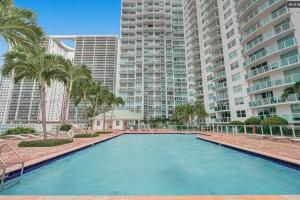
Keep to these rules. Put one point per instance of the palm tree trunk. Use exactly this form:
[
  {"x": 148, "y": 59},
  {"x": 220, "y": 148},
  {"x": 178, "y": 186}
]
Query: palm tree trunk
[
  {"x": 64, "y": 113},
  {"x": 94, "y": 114},
  {"x": 86, "y": 114},
  {"x": 112, "y": 111},
  {"x": 43, "y": 110},
  {"x": 103, "y": 119}
]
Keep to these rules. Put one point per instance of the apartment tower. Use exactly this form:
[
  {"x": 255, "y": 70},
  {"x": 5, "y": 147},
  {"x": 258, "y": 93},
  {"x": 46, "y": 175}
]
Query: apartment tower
[
  {"x": 270, "y": 33},
  {"x": 20, "y": 102},
  {"x": 99, "y": 53},
  {"x": 152, "y": 73},
  {"x": 194, "y": 71}
]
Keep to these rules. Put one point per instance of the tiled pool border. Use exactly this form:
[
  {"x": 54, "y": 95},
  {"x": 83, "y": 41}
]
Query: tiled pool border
[
  {"x": 15, "y": 173},
  {"x": 274, "y": 159}
]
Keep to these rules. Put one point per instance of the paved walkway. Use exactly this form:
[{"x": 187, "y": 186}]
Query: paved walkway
[
  {"x": 281, "y": 150},
  {"x": 154, "y": 198},
  {"x": 36, "y": 154}
]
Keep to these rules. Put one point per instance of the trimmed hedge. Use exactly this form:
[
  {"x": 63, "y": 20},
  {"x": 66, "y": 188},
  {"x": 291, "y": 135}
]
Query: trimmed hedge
[
  {"x": 65, "y": 127},
  {"x": 274, "y": 121},
  {"x": 86, "y": 135},
  {"x": 101, "y": 132},
  {"x": 236, "y": 123},
  {"x": 252, "y": 121},
  {"x": 19, "y": 130},
  {"x": 44, "y": 143}
]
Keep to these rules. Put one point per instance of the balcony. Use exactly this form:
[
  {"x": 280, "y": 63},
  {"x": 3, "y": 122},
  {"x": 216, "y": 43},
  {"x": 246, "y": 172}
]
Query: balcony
[
  {"x": 219, "y": 76},
  {"x": 285, "y": 81},
  {"x": 222, "y": 108},
  {"x": 258, "y": 11},
  {"x": 291, "y": 118},
  {"x": 218, "y": 65},
  {"x": 223, "y": 119},
  {"x": 277, "y": 32},
  {"x": 221, "y": 97},
  {"x": 220, "y": 86},
  {"x": 264, "y": 22},
  {"x": 269, "y": 51},
  {"x": 274, "y": 101},
  {"x": 284, "y": 63}
]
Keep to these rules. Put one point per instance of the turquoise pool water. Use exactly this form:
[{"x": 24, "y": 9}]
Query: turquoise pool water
[{"x": 159, "y": 165}]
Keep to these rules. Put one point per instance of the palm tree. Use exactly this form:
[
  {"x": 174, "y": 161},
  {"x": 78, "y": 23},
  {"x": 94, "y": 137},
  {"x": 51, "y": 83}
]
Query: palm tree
[
  {"x": 105, "y": 99},
  {"x": 295, "y": 89},
  {"x": 18, "y": 26},
  {"x": 95, "y": 100},
  {"x": 74, "y": 73},
  {"x": 81, "y": 89},
  {"x": 38, "y": 65},
  {"x": 116, "y": 102},
  {"x": 199, "y": 110},
  {"x": 187, "y": 112}
]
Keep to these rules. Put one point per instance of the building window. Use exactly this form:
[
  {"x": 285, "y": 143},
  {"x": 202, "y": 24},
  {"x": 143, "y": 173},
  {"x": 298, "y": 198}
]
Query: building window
[
  {"x": 237, "y": 88},
  {"x": 241, "y": 113},
  {"x": 98, "y": 123},
  {"x": 232, "y": 54},
  {"x": 231, "y": 44},
  {"x": 117, "y": 123},
  {"x": 234, "y": 65},
  {"x": 230, "y": 33},
  {"x": 236, "y": 77},
  {"x": 239, "y": 101}
]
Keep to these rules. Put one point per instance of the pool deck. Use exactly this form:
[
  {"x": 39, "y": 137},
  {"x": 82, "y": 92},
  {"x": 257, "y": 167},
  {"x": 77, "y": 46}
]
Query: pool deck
[
  {"x": 284, "y": 151},
  {"x": 35, "y": 155},
  {"x": 150, "y": 197},
  {"x": 280, "y": 150}
]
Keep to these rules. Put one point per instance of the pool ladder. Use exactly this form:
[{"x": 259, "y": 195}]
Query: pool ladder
[{"x": 4, "y": 184}]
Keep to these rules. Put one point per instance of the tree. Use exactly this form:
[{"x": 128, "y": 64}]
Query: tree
[
  {"x": 105, "y": 100},
  {"x": 199, "y": 110},
  {"x": 183, "y": 113},
  {"x": 38, "y": 65},
  {"x": 95, "y": 100},
  {"x": 18, "y": 26},
  {"x": 252, "y": 121},
  {"x": 81, "y": 89},
  {"x": 275, "y": 120},
  {"x": 187, "y": 112},
  {"x": 116, "y": 102},
  {"x": 295, "y": 89},
  {"x": 74, "y": 73}
]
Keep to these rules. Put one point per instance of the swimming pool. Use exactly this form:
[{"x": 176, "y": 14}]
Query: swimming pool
[{"x": 159, "y": 165}]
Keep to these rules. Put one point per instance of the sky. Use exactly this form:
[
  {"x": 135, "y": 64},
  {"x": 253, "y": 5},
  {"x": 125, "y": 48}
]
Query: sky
[{"x": 60, "y": 17}]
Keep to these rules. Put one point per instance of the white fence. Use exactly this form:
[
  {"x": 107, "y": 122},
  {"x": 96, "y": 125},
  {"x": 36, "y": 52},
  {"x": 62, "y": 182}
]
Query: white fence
[{"x": 288, "y": 131}]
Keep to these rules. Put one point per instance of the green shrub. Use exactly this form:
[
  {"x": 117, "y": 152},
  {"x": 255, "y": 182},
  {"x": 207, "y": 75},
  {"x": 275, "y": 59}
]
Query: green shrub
[
  {"x": 252, "y": 121},
  {"x": 274, "y": 121},
  {"x": 44, "y": 143},
  {"x": 237, "y": 123},
  {"x": 106, "y": 132},
  {"x": 19, "y": 130},
  {"x": 86, "y": 135},
  {"x": 65, "y": 127}
]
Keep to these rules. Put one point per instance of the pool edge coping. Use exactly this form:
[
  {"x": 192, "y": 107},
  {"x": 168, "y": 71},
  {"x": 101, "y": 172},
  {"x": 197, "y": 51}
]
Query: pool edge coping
[
  {"x": 36, "y": 163},
  {"x": 289, "y": 162}
]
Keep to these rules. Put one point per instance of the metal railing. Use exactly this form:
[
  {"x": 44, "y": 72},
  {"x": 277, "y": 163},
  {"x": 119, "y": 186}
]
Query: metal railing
[
  {"x": 5, "y": 165},
  {"x": 288, "y": 131}
]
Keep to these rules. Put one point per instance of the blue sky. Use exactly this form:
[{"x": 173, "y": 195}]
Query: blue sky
[{"x": 90, "y": 17}]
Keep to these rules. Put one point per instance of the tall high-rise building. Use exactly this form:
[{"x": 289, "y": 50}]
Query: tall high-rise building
[
  {"x": 21, "y": 102},
  {"x": 249, "y": 55},
  {"x": 270, "y": 35},
  {"x": 152, "y": 72},
  {"x": 194, "y": 71}
]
